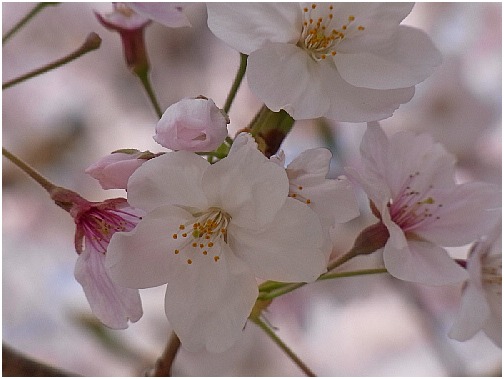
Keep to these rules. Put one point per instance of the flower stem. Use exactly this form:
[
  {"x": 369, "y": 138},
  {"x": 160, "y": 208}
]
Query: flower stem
[
  {"x": 237, "y": 81},
  {"x": 144, "y": 79},
  {"x": 46, "y": 184},
  {"x": 270, "y": 290},
  {"x": 165, "y": 362},
  {"x": 25, "y": 20},
  {"x": 283, "y": 346},
  {"x": 91, "y": 43}
]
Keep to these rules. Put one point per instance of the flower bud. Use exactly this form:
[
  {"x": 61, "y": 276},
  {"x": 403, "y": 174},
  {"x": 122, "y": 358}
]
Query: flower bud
[
  {"x": 193, "y": 125},
  {"x": 114, "y": 170}
]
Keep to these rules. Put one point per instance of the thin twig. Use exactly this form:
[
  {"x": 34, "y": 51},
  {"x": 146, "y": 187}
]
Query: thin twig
[
  {"x": 283, "y": 346},
  {"x": 91, "y": 43},
  {"x": 25, "y": 20}
]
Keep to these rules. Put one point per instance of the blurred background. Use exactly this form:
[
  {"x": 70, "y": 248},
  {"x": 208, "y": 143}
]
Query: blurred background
[{"x": 63, "y": 121}]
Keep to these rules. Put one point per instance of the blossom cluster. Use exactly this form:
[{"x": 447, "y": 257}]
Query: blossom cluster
[{"x": 211, "y": 215}]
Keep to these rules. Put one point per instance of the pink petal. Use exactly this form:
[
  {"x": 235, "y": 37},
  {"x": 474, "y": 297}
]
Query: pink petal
[{"x": 112, "y": 304}]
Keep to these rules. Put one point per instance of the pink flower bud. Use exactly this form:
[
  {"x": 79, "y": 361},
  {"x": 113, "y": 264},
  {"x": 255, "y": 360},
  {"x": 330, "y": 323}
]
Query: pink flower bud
[
  {"x": 114, "y": 170},
  {"x": 192, "y": 125}
]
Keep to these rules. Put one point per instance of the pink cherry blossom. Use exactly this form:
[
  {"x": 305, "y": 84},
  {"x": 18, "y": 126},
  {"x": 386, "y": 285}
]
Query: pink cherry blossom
[
  {"x": 410, "y": 182},
  {"x": 192, "y": 125},
  {"x": 96, "y": 223},
  {"x": 114, "y": 170}
]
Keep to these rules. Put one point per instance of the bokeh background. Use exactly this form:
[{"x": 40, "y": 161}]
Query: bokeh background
[{"x": 65, "y": 120}]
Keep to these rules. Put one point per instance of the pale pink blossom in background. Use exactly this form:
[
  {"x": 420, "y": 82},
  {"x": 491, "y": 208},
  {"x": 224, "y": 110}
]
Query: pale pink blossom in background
[
  {"x": 96, "y": 223},
  {"x": 345, "y": 61},
  {"x": 114, "y": 170},
  {"x": 195, "y": 125},
  {"x": 410, "y": 182},
  {"x": 209, "y": 232},
  {"x": 481, "y": 304},
  {"x": 167, "y": 14}
]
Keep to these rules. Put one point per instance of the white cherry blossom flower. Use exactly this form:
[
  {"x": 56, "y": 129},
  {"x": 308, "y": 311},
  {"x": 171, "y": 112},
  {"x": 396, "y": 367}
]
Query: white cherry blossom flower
[
  {"x": 192, "y": 125},
  {"x": 345, "y": 61},
  {"x": 481, "y": 305},
  {"x": 210, "y": 230},
  {"x": 410, "y": 182}
]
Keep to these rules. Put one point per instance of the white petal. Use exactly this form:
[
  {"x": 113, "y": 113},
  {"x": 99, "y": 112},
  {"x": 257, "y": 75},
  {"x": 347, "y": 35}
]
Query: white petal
[
  {"x": 144, "y": 257},
  {"x": 410, "y": 153},
  {"x": 473, "y": 314},
  {"x": 285, "y": 77},
  {"x": 374, "y": 150},
  {"x": 288, "y": 250},
  {"x": 411, "y": 61},
  {"x": 333, "y": 201},
  {"x": 247, "y": 27},
  {"x": 311, "y": 163},
  {"x": 172, "y": 178},
  {"x": 167, "y": 14},
  {"x": 246, "y": 185},
  {"x": 467, "y": 212},
  {"x": 112, "y": 304},
  {"x": 356, "y": 104},
  {"x": 380, "y": 20},
  {"x": 418, "y": 261},
  {"x": 208, "y": 302}
]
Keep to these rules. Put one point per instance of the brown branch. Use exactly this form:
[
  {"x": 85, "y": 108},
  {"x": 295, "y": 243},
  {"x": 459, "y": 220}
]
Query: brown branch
[
  {"x": 17, "y": 364},
  {"x": 165, "y": 362}
]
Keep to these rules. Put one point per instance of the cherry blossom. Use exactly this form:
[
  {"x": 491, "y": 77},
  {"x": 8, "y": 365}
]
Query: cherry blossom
[
  {"x": 130, "y": 20},
  {"x": 114, "y": 170},
  {"x": 192, "y": 125},
  {"x": 96, "y": 222},
  {"x": 345, "y": 61},
  {"x": 481, "y": 306},
  {"x": 410, "y": 182},
  {"x": 332, "y": 199},
  {"x": 209, "y": 232}
]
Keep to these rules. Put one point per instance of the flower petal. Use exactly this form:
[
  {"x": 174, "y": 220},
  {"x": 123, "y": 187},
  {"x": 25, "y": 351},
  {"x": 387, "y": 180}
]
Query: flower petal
[
  {"x": 285, "y": 77},
  {"x": 357, "y": 104},
  {"x": 418, "y": 261},
  {"x": 246, "y": 185},
  {"x": 172, "y": 178},
  {"x": 467, "y": 212},
  {"x": 411, "y": 61},
  {"x": 143, "y": 257},
  {"x": 208, "y": 303},
  {"x": 167, "y": 14},
  {"x": 380, "y": 21},
  {"x": 247, "y": 27},
  {"x": 474, "y": 312},
  {"x": 288, "y": 250},
  {"x": 332, "y": 200},
  {"x": 112, "y": 304}
]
